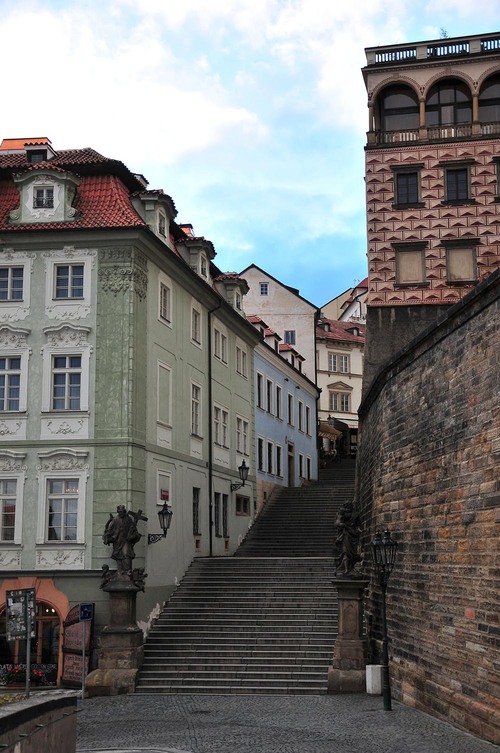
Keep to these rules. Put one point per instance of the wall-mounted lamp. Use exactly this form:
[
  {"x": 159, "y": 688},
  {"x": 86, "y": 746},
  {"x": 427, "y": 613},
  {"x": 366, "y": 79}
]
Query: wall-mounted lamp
[
  {"x": 243, "y": 471},
  {"x": 165, "y": 518}
]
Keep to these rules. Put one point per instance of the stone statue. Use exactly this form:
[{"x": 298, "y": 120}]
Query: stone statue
[
  {"x": 348, "y": 525},
  {"x": 121, "y": 531}
]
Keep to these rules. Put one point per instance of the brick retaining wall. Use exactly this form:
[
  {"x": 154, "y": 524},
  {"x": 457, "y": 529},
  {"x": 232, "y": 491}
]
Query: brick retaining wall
[{"x": 429, "y": 469}]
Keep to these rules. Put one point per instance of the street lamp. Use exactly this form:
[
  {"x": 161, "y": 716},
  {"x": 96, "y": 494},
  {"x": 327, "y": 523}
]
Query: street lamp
[
  {"x": 165, "y": 518},
  {"x": 243, "y": 471},
  {"x": 384, "y": 554}
]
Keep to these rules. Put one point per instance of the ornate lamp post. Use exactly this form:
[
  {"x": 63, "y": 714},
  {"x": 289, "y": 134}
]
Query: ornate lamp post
[
  {"x": 384, "y": 555},
  {"x": 243, "y": 471},
  {"x": 165, "y": 518}
]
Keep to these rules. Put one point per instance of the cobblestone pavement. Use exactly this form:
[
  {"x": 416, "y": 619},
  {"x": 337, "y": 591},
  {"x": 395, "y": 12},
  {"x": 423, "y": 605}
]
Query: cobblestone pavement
[{"x": 264, "y": 724}]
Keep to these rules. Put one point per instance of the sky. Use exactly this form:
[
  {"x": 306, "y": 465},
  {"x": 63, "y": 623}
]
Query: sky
[{"x": 250, "y": 114}]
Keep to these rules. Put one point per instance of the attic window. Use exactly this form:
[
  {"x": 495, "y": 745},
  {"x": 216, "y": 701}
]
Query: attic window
[
  {"x": 162, "y": 224},
  {"x": 43, "y": 197},
  {"x": 37, "y": 155}
]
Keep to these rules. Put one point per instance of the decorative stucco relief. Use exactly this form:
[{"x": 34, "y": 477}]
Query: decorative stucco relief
[
  {"x": 68, "y": 559},
  {"x": 11, "y": 462},
  {"x": 71, "y": 311},
  {"x": 70, "y": 253},
  {"x": 118, "y": 279},
  {"x": 10, "y": 559},
  {"x": 63, "y": 336},
  {"x": 62, "y": 460},
  {"x": 13, "y": 428},
  {"x": 13, "y": 338}
]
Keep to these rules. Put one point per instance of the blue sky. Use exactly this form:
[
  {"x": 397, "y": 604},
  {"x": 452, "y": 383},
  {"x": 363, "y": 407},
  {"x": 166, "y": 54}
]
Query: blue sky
[{"x": 251, "y": 114}]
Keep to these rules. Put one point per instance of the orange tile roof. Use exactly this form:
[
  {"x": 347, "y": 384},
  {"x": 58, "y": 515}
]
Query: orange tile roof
[
  {"x": 21, "y": 143},
  {"x": 340, "y": 331}
]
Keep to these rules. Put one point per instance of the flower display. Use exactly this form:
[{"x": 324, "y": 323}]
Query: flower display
[{"x": 15, "y": 674}]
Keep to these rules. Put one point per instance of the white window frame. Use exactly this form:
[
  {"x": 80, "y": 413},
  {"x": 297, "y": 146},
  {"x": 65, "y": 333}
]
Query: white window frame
[
  {"x": 16, "y": 461},
  {"x": 68, "y": 370},
  {"x": 163, "y": 481},
  {"x": 165, "y": 309},
  {"x": 308, "y": 420},
  {"x": 70, "y": 306},
  {"x": 260, "y": 455},
  {"x": 162, "y": 224},
  {"x": 163, "y": 367},
  {"x": 336, "y": 401},
  {"x": 61, "y": 335},
  {"x": 11, "y": 308},
  {"x": 242, "y": 427},
  {"x": 196, "y": 326},
  {"x": 269, "y": 396},
  {"x": 290, "y": 336},
  {"x": 48, "y": 196},
  {"x": 269, "y": 457},
  {"x": 279, "y": 401},
  {"x": 196, "y": 410},
  {"x": 301, "y": 416},
  {"x": 71, "y": 267},
  {"x": 74, "y": 470},
  {"x": 10, "y": 289},
  {"x": 241, "y": 361},
  {"x": 279, "y": 461},
  {"x": 259, "y": 388},
  {"x": 290, "y": 409},
  {"x": 220, "y": 344},
  {"x": 264, "y": 288}
]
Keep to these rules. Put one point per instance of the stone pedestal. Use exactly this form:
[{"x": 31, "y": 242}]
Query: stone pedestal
[
  {"x": 121, "y": 653},
  {"x": 347, "y": 673}
]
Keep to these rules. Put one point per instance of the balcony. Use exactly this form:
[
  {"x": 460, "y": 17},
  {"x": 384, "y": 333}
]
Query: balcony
[
  {"x": 436, "y": 133},
  {"x": 435, "y": 50}
]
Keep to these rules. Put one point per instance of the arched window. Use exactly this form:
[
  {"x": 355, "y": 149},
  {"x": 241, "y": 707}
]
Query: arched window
[
  {"x": 449, "y": 103},
  {"x": 398, "y": 109},
  {"x": 489, "y": 101}
]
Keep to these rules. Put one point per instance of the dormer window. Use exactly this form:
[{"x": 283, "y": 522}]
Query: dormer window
[
  {"x": 203, "y": 266},
  {"x": 237, "y": 300},
  {"x": 43, "y": 197},
  {"x": 36, "y": 155},
  {"x": 162, "y": 224}
]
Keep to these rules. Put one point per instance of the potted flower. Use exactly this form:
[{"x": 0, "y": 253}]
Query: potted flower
[{"x": 15, "y": 674}]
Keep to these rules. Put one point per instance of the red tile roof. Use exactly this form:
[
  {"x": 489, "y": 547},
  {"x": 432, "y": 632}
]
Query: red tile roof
[
  {"x": 340, "y": 331},
  {"x": 21, "y": 143},
  {"x": 102, "y": 202}
]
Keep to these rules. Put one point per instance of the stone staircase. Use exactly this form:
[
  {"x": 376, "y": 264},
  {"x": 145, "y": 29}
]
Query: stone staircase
[{"x": 264, "y": 620}]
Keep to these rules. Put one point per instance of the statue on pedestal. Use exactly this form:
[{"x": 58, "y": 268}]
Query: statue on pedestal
[
  {"x": 349, "y": 529},
  {"x": 121, "y": 532}
]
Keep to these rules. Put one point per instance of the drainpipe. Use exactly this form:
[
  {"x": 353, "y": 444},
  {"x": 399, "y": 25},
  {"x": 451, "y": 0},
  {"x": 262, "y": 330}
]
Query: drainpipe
[{"x": 210, "y": 434}]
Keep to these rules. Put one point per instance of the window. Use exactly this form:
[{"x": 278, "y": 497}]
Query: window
[
  {"x": 410, "y": 264},
  {"x": 196, "y": 511},
  {"x": 290, "y": 336},
  {"x": 162, "y": 224},
  {"x": 301, "y": 415},
  {"x": 62, "y": 509},
  {"x": 279, "y": 402},
  {"x": 8, "y": 494},
  {"x": 237, "y": 301},
  {"x": 225, "y": 510},
  {"x": 260, "y": 454},
  {"x": 308, "y": 469},
  {"x": 260, "y": 388},
  {"x": 11, "y": 283},
  {"x": 290, "y": 409},
  {"x": 269, "y": 457},
  {"x": 308, "y": 420},
  {"x": 68, "y": 281},
  {"x": 10, "y": 383},
  {"x": 449, "y": 103},
  {"x": 407, "y": 185},
  {"x": 195, "y": 410},
  {"x": 241, "y": 361},
  {"x": 43, "y": 197},
  {"x": 221, "y": 427},
  {"x": 269, "y": 396},
  {"x": 264, "y": 288},
  {"x": 339, "y": 402},
  {"x": 165, "y": 303},
  {"x": 279, "y": 460},
  {"x": 242, "y": 505},
  {"x": 241, "y": 436},
  {"x": 220, "y": 345},
  {"x": 164, "y": 398},
  {"x": 217, "y": 514},
  {"x": 66, "y": 382},
  {"x": 457, "y": 184},
  {"x": 338, "y": 362},
  {"x": 399, "y": 109},
  {"x": 461, "y": 263},
  {"x": 196, "y": 326},
  {"x": 203, "y": 266},
  {"x": 301, "y": 465}
]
